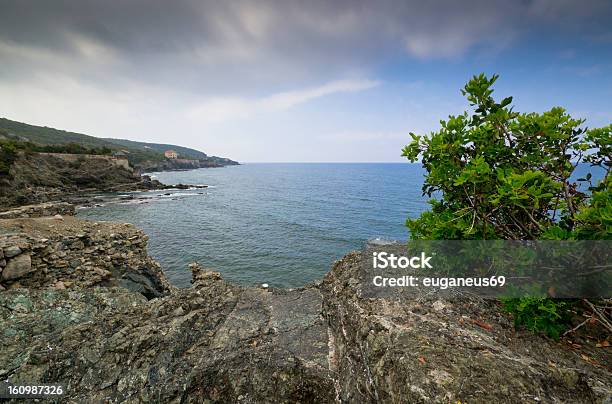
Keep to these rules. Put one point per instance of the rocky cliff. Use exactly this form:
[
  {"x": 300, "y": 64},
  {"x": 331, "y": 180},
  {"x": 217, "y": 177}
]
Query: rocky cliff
[
  {"x": 184, "y": 164},
  {"x": 36, "y": 178},
  {"x": 219, "y": 342},
  {"x": 64, "y": 252}
]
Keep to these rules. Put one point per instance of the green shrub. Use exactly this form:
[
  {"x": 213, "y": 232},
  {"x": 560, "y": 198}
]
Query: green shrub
[
  {"x": 500, "y": 174},
  {"x": 540, "y": 314},
  {"x": 10, "y": 147},
  {"x": 8, "y": 153}
]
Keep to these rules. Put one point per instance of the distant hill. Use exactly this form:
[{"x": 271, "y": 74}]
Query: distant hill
[
  {"x": 139, "y": 153},
  {"x": 47, "y": 136},
  {"x": 184, "y": 152}
]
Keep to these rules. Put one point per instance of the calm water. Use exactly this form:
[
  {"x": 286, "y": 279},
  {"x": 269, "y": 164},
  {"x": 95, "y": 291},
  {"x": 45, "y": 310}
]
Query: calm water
[{"x": 282, "y": 224}]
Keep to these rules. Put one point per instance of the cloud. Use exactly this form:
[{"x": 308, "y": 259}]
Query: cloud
[
  {"x": 223, "y": 75},
  {"x": 376, "y": 136},
  {"x": 222, "y": 109},
  {"x": 218, "y": 46}
]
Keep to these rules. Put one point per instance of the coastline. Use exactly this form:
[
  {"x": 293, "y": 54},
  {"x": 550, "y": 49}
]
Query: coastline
[
  {"x": 76, "y": 312},
  {"x": 39, "y": 178}
]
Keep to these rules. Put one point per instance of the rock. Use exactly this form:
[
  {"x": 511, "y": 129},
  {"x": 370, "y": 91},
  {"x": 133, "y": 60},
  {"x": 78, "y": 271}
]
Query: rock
[
  {"x": 127, "y": 336},
  {"x": 209, "y": 343},
  {"x": 39, "y": 210},
  {"x": 53, "y": 178},
  {"x": 17, "y": 267},
  {"x": 438, "y": 305},
  {"x": 416, "y": 350},
  {"x": 58, "y": 217},
  {"x": 12, "y": 251},
  {"x": 73, "y": 250}
]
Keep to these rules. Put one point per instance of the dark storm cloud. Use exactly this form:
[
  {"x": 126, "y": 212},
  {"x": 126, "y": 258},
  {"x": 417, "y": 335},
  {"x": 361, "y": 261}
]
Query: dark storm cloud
[{"x": 215, "y": 45}]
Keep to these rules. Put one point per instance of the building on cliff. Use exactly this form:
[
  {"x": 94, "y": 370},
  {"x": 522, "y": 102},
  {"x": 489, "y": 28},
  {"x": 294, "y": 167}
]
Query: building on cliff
[{"x": 170, "y": 154}]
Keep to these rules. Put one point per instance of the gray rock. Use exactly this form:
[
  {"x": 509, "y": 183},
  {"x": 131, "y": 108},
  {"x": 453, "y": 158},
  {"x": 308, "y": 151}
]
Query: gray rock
[
  {"x": 65, "y": 257},
  {"x": 94, "y": 330},
  {"x": 75, "y": 263},
  {"x": 213, "y": 342},
  {"x": 392, "y": 350},
  {"x": 12, "y": 251},
  {"x": 39, "y": 210},
  {"x": 17, "y": 267}
]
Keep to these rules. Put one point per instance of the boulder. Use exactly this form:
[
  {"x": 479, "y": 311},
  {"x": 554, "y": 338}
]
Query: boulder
[
  {"x": 11, "y": 251},
  {"x": 17, "y": 267}
]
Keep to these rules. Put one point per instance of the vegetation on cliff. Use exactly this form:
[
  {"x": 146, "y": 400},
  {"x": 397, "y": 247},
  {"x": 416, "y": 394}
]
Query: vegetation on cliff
[
  {"x": 9, "y": 149},
  {"x": 138, "y": 153},
  {"x": 500, "y": 174}
]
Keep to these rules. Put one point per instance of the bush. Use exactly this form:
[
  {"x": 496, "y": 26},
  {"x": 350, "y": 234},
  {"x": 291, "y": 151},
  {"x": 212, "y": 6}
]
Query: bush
[
  {"x": 540, "y": 314},
  {"x": 500, "y": 174},
  {"x": 9, "y": 149},
  {"x": 8, "y": 153}
]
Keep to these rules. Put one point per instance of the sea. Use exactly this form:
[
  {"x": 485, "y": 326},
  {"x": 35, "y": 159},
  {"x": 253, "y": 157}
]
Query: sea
[{"x": 283, "y": 224}]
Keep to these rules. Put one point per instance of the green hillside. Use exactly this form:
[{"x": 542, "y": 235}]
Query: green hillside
[
  {"x": 184, "y": 152},
  {"x": 137, "y": 152},
  {"x": 48, "y": 136}
]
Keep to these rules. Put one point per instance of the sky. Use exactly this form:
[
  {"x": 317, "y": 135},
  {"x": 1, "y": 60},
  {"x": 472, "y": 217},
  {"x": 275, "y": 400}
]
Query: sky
[{"x": 294, "y": 81}]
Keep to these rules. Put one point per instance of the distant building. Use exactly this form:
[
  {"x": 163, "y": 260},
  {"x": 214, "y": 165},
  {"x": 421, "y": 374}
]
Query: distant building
[{"x": 170, "y": 154}]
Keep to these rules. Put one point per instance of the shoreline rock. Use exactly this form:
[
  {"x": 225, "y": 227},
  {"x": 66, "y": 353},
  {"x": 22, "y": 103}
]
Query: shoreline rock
[
  {"x": 39, "y": 210},
  {"x": 36, "y": 178},
  {"x": 77, "y": 320},
  {"x": 432, "y": 349},
  {"x": 79, "y": 254}
]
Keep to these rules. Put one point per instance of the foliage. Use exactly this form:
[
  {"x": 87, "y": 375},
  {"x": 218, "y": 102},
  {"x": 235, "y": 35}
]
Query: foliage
[
  {"x": 10, "y": 148},
  {"x": 496, "y": 173},
  {"x": 8, "y": 153},
  {"x": 540, "y": 314},
  {"x": 137, "y": 152},
  {"x": 184, "y": 152},
  {"x": 72, "y": 148}
]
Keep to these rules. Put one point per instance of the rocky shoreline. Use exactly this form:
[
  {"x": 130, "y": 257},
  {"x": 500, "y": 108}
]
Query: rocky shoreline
[
  {"x": 83, "y": 304},
  {"x": 132, "y": 197},
  {"x": 37, "y": 178}
]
